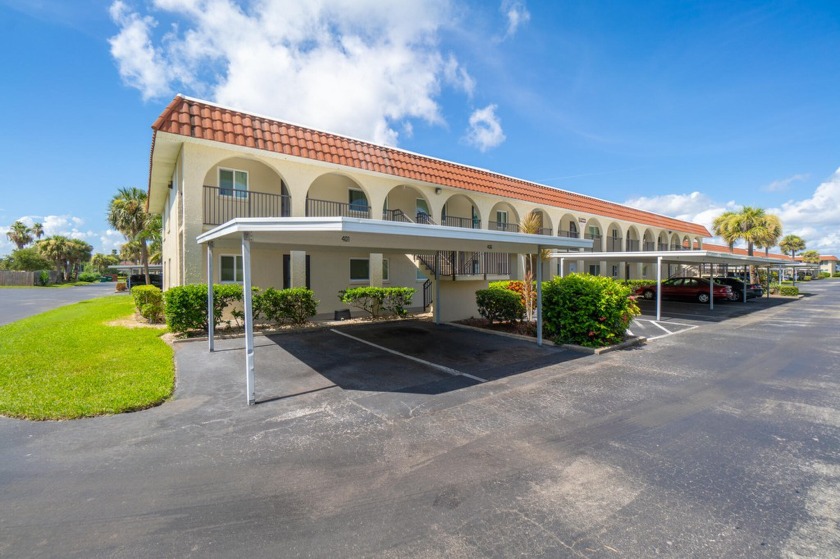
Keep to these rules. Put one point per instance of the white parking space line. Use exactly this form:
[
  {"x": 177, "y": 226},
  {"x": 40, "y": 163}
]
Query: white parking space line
[
  {"x": 447, "y": 370},
  {"x": 661, "y": 327},
  {"x": 668, "y": 332}
]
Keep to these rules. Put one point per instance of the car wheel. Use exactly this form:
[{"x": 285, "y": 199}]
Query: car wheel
[
  {"x": 734, "y": 296},
  {"x": 703, "y": 297},
  {"x": 649, "y": 295}
]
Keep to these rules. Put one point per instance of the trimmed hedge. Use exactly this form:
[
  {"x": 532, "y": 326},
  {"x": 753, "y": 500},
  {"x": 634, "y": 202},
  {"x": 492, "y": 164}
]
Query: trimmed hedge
[
  {"x": 89, "y": 277},
  {"x": 789, "y": 291},
  {"x": 378, "y": 300},
  {"x": 500, "y": 304},
  {"x": 296, "y": 305},
  {"x": 186, "y": 305},
  {"x": 591, "y": 311},
  {"x": 149, "y": 302}
]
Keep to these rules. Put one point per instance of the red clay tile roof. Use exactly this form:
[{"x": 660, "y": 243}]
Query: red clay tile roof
[
  {"x": 823, "y": 258},
  {"x": 199, "y": 119},
  {"x": 743, "y": 252}
]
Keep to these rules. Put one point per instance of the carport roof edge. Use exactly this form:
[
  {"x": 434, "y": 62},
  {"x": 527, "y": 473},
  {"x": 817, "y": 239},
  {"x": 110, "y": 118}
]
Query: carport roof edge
[
  {"x": 391, "y": 235},
  {"x": 678, "y": 256}
]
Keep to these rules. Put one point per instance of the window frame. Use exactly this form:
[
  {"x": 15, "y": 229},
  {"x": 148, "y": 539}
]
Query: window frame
[
  {"x": 386, "y": 270},
  {"x": 233, "y": 192},
  {"x": 237, "y": 259}
]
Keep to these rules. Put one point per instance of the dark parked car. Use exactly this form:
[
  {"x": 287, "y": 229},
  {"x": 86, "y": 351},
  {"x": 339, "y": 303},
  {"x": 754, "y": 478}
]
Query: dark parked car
[
  {"x": 737, "y": 286},
  {"x": 755, "y": 287},
  {"x": 686, "y": 288},
  {"x": 140, "y": 279}
]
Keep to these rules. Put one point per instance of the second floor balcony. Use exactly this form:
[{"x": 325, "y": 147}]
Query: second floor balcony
[{"x": 223, "y": 204}]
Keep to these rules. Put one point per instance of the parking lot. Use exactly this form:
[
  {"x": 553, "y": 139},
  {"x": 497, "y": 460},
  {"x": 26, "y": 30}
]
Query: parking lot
[{"x": 719, "y": 442}]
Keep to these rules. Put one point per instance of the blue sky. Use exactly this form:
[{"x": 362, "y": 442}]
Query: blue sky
[{"x": 681, "y": 108}]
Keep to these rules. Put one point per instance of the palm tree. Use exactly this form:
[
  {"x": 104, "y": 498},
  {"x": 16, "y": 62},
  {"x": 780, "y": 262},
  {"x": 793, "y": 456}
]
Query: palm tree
[
  {"x": 791, "y": 244},
  {"x": 19, "y": 234},
  {"x": 726, "y": 228},
  {"x": 103, "y": 261},
  {"x": 78, "y": 251},
  {"x": 38, "y": 230},
  {"x": 531, "y": 224},
  {"x": 127, "y": 214},
  {"x": 772, "y": 232},
  {"x": 55, "y": 249}
]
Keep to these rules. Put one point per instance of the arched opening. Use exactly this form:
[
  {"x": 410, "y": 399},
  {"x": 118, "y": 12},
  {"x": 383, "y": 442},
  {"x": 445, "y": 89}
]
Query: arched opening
[
  {"x": 686, "y": 243},
  {"x": 568, "y": 227},
  {"x": 648, "y": 243},
  {"x": 662, "y": 242},
  {"x": 460, "y": 211},
  {"x": 675, "y": 242},
  {"x": 334, "y": 195},
  {"x": 614, "y": 238},
  {"x": 594, "y": 232},
  {"x": 406, "y": 203},
  {"x": 241, "y": 187},
  {"x": 633, "y": 241},
  {"x": 545, "y": 225},
  {"x": 503, "y": 217}
]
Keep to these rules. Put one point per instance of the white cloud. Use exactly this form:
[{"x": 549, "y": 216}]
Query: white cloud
[
  {"x": 816, "y": 219},
  {"x": 783, "y": 184},
  {"x": 355, "y": 67},
  {"x": 485, "y": 129},
  {"x": 517, "y": 14}
]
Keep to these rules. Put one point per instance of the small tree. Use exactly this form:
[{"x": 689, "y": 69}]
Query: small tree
[
  {"x": 19, "y": 234},
  {"x": 791, "y": 244}
]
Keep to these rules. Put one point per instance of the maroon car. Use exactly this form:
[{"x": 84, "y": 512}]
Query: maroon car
[{"x": 686, "y": 288}]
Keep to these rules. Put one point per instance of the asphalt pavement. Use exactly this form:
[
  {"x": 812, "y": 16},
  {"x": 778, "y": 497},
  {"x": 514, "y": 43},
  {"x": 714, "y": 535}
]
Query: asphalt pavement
[
  {"x": 719, "y": 441},
  {"x": 18, "y": 303}
]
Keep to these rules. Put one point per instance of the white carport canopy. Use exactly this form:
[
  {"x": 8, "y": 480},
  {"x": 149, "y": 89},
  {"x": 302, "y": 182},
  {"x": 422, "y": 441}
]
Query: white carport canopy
[
  {"x": 675, "y": 257},
  {"x": 374, "y": 235}
]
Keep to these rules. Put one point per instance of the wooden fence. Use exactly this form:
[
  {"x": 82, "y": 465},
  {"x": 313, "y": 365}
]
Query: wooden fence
[{"x": 25, "y": 278}]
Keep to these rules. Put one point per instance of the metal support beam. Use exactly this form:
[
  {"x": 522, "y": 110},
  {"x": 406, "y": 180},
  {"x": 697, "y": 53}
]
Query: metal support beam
[
  {"x": 249, "y": 318},
  {"x": 539, "y": 298},
  {"x": 562, "y": 266},
  {"x": 437, "y": 287},
  {"x": 711, "y": 293},
  {"x": 658, "y": 288},
  {"x": 211, "y": 322}
]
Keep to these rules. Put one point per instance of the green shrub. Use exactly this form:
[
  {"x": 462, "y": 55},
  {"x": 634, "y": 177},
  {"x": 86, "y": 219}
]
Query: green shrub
[
  {"x": 836, "y": 274},
  {"x": 88, "y": 277},
  {"x": 586, "y": 310},
  {"x": 824, "y": 275},
  {"x": 499, "y": 304},
  {"x": 43, "y": 277},
  {"x": 186, "y": 305},
  {"x": 148, "y": 300},
  {"x": 634, "y": 284},
  {"x": 376, "y": 300},
  {"x": 789, "y": 291},
  {"x": 806, "y": 278},
  {"x": 295, "y": 305}
]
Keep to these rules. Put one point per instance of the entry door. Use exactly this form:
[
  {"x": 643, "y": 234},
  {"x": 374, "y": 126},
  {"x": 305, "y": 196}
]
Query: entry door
[{"x": 287, "y": 272}]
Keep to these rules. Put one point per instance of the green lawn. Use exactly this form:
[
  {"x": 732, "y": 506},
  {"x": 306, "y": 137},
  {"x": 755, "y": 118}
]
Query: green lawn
[{"x": 66, "y": 363}]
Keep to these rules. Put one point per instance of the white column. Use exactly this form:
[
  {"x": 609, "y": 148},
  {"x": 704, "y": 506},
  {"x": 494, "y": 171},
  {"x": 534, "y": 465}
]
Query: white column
[
  {"x": 249, "y": 318},
  {"x": 436, "y": 302},
  {"x": 375, "y": 269},
  {"x": 658, "y": 288},
  {"x": 562, "y": 266},
  {"x": 297, "y": 268},
  {"x": 539, "y": 299},
  {"x": 211, "y": 321}
]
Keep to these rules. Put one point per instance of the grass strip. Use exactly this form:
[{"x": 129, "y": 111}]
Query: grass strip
[{"x": 67, "y": 363}]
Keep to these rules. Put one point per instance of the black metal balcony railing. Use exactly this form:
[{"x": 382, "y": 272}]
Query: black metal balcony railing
[
  {"x": 464, "y": 222},
  {"x": 632, "y": 245},
  {"x": 544, "y": 231},
  {"x": 396, "y": 215},
  {"x": 328, "y": 208},
  {"x": 424, "y": 218},
  {"x": 596, "y": 241},
  {"x": 468, "y": 263},
  {"x": 649, "y": 246},
  {"x": 568, "y": 234},
  {"x": 614, "y": 244},
  {"x": 503, "y": 226},
  {"x": 223, "y": 204}
]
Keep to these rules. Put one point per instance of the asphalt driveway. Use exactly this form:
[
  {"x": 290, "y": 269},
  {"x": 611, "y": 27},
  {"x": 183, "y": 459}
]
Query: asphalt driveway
[
  {"x": 18, "y": 303},
  {"x": 721, "y": 442}
]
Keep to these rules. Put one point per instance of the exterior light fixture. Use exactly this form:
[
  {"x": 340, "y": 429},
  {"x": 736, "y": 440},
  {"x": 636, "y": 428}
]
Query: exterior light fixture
[
  {"x": 346, "y": 238},
  {"x": 438, "y": 190},
  {"x": 489, "y": 247}
]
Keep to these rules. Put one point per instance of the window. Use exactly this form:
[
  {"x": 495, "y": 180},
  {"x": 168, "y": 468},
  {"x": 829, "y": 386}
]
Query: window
[
  {"x": 421, "y": 276},
  {"x": 360, "y": 269},
  {"x": 501, "y": 220},
  {"x": 233, "y": 183},
  {"x": 595, "y": 269},
  {"x": 594, "y": 232},
  {"x": 614, "y": 271},
  {"x": 231, "y": 269},
  {"x": 358, "y": 200}
]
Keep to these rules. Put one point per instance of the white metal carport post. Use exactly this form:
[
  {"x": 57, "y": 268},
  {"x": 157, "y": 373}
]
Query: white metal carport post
[
  {"x": 539, "y": 297},
  {"x": 658, "y": 288},
  {"x": 711, "y": 292},
  {"x": 211, "y": 319},
  {"x": 249, "y": 317}
]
